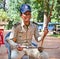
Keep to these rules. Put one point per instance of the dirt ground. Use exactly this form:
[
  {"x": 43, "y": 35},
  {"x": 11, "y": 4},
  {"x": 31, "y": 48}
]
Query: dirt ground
[
  {"x": 50, "y": 42},
  {"x": 54, "y": 44}
]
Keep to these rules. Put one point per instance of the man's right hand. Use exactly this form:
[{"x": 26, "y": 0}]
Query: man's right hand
[{"x": 19, "y": 48}]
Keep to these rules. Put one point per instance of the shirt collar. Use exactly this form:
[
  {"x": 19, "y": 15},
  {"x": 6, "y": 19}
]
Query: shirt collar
[{"x": 22, "y": 23}]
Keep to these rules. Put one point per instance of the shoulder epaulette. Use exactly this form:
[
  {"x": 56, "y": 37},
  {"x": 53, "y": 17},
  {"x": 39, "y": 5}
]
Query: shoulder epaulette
[
  {"x": 16, "y": 24},
  {"x": 35, "y": 23}
]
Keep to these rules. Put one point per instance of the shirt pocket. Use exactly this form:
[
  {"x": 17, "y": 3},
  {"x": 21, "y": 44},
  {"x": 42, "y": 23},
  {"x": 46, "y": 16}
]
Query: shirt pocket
[
  {"x": 32, "y": 32},
  {"x": 20, "y": 34}
]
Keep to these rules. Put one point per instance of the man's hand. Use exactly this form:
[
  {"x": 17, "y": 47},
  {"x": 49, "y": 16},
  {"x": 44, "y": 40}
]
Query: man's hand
[
  {"x": 40, "y": 49},
  {"x": 19, "y": 48}
]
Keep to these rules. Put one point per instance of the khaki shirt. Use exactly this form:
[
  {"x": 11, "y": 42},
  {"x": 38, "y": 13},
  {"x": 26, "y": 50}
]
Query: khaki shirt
[{"x": 24, "y": 34}]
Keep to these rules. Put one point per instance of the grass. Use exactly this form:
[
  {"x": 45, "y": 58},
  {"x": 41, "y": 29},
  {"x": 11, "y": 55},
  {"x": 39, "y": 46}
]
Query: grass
[{"x": 56, "y": 35}]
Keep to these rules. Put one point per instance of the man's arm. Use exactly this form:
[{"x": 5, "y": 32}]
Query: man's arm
[
  {"x": 43, "y": 35},
  {"x": 10, "y": 40},
  {"x": 45, "y": 28}
]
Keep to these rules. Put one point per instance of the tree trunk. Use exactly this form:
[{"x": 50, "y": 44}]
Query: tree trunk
[{"x": 45, "y": 24}]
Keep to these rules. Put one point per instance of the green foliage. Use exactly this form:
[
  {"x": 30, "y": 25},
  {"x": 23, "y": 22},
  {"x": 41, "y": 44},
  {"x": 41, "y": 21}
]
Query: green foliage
[
  {"x": 40, "y": 16},
  {"x": 3, "y": 15},
  {"x": 1, "y": 1},
  {"x": 56, "y": 35},
  {"x": 38, "y": 8},
  {"x": 13, "y": 13},
  {"x": 56, "y": 11}
]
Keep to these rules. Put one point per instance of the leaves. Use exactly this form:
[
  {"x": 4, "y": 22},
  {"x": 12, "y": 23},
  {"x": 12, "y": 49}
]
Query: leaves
[
  {"x": 38, "y": 7},
  {"x": 3, "y": 15}
]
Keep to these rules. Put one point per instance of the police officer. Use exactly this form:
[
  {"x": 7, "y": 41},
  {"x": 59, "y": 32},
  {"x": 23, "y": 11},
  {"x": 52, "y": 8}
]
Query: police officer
[{"x": 23, "y": 33}]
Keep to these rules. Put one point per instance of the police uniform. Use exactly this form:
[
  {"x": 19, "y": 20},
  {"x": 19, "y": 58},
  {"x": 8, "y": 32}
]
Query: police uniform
[{"x": 23, "y": 35}]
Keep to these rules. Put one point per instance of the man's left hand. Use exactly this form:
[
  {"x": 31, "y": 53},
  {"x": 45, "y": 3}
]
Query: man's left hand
[{"x": 40, "y": 49}]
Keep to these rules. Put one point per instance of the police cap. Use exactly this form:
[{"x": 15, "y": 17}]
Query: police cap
[{"x": 24, "y": 8}]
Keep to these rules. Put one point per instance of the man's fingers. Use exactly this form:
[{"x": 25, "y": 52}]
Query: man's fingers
[
  {"x": 20, "y": 48},
  {"x": 40, "y": 49}
]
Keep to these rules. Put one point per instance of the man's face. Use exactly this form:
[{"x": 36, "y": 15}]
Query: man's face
[{"x": 26, "y": 17}]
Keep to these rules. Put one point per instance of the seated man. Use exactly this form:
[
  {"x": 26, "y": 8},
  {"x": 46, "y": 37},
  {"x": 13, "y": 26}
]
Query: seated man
[{"x": 22, "y": 35}]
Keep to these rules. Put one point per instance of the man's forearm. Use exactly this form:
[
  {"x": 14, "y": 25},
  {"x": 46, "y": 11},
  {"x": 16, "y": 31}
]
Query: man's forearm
[
  {"x": 43, "y": 35},
  {"x": 12, "y": 43}
]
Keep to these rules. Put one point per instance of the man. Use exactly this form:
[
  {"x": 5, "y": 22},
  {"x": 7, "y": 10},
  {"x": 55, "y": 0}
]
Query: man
[{"x": 23, "y": 33}]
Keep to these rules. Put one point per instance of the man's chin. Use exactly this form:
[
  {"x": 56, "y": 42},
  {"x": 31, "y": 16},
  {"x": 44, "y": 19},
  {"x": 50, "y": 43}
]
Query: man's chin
[{"x": 27, "y": 23}]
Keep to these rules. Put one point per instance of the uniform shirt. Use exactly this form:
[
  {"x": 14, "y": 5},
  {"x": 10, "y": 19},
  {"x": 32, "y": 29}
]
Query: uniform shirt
[{"x": 24, "y": 34}]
